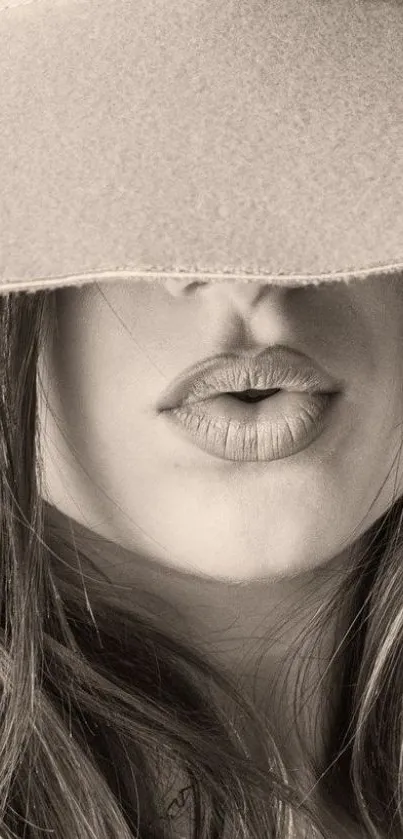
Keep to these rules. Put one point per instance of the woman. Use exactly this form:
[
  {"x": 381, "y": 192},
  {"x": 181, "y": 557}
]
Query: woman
[
  {"x": 281, "y": 575},
  {"x": 249, "y": 551},
  {"x": 201, "y": 482}
]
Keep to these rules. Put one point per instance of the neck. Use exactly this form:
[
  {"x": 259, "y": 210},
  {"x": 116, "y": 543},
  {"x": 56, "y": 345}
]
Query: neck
[{"x": 264, "y": 634}]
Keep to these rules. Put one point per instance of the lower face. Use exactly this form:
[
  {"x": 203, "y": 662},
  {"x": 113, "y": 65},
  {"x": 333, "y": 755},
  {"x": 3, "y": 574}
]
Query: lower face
[{"x": 117, "y": 465}]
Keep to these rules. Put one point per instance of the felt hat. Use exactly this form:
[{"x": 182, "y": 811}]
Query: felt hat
[{"x": 250, "y": 140}]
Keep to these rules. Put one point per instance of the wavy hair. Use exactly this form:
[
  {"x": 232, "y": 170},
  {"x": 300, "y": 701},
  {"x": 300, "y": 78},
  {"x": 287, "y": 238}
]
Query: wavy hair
[{"x": 96, "y": 691}]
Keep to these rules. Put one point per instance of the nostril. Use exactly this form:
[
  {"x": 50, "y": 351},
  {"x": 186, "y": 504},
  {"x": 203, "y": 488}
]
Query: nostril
[{"x": 181, "y": 288}]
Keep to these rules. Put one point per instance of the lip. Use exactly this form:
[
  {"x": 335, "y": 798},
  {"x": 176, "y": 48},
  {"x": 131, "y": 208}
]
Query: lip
[
  {"x": 273, "y": 367},
  {"x": 199, "y": 402}
]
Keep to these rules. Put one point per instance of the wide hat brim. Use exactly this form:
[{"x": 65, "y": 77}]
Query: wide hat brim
[{"x": 237, "y": 139}]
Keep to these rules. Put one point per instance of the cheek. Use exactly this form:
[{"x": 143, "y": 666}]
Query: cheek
[{"x": 360, "y": 476}]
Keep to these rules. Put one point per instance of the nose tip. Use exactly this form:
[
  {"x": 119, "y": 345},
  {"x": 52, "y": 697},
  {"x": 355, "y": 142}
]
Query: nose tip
[{"x": 241, "y": 291}]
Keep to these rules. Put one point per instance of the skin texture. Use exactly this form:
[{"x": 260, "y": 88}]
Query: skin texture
[
  {"x": 148, "y": 488},
  {"x": 235, "y": 546}
]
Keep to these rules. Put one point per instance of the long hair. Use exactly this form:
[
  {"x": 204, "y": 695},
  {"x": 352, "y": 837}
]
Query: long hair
[{"x": 97, "y": 693}]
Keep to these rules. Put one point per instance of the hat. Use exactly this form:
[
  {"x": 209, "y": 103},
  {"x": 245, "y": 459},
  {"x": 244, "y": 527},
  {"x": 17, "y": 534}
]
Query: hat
[{"x": 254, "y": 140}]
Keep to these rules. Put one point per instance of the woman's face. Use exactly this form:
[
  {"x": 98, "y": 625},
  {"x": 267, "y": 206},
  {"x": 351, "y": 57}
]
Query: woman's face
[{"x": 120, "y": 468}]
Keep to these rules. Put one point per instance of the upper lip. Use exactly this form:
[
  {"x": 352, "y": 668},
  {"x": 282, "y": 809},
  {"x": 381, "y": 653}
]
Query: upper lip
[{"x": 273, "y": 367}]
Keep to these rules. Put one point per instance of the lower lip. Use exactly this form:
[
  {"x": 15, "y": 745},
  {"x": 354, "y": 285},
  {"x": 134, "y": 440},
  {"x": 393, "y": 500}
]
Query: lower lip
[{"x": 275, "y": 428}]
